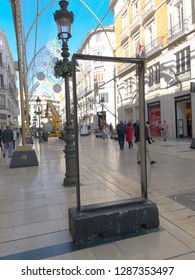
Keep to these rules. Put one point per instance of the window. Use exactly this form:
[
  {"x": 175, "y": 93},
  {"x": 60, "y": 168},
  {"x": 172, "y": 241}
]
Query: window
[
  {"x": 98, "y": 80},
  {"x": 129, "y": 86},
  {"x": 124, "y": 21},
  {"x": 1, "y": 61},
  {"x": 176, "y": 18},
  {"x": 154, "y": 74},
  {"x": 2, "y": 102},
  {"x": 1, "y": 81},
  {"x": 125, "y": 50},
  {"x": 98, "y": 37},
  {"x": 103, "y": 97},
  {"x": 183, "y": 61},
  {"x": 98, "y": 51},
  {"x": 193, "y": 11},
  {"x": 179, "y": 14},
  {"x": 150, "y": 35},
  {"x": 99, "y": 76},
  {"x": 136, "y": 10}
]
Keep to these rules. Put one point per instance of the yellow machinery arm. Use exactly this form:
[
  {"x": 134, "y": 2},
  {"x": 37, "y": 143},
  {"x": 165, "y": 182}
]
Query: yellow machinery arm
[{"x": 53, "y": 128}]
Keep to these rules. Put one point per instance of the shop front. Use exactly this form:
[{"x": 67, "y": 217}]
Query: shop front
[
  {"x": 183, "y": 118},
  {"x": 154, "y": 118}
]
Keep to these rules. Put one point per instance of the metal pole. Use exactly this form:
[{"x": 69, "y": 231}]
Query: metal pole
[
  {"x": 141, "y": 66},
  {"x": 15, "y": 12},
  {"x": 40, "y": 138},
  {"x": 69, "y": 150},
  {"x": 78, "y": 195}
]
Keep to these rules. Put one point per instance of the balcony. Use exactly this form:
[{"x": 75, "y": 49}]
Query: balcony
[
  {"x": 3, "y": 87},
  {"x": 2, "y": 65},
  {"x": 178, "y": 31},
  {"x": 123, "y": 67},
  {"x": 135, "y": 24},
  {"x": 154, "y": 46},
  {"x": 124, "y": 34},
  {"x": 148, "y": 11}
]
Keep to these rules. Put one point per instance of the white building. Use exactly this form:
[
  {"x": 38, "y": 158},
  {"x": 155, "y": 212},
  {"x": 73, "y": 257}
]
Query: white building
[
  {"x": 163, "y": 33},
  {"x": 95, "y": 80},
  {"x": 9, "y": 109}
]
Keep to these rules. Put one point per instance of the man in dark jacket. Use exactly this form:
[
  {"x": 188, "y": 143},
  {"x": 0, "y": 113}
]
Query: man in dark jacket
[
  {"x": 7, "y": 139},
  {"x": 0, "y": 139},
  {"x": 121, "y": 130},
  {"x": 137, "y": 141}
]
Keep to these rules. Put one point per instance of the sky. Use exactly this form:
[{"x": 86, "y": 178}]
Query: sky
[
  {"x": 42, "y": 52},
  {"x": 84, "y": 21},
  {"x": 40, "y": 37}
]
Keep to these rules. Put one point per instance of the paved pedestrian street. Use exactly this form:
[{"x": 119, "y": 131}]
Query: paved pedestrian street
[{"x": 34, "y": 204}]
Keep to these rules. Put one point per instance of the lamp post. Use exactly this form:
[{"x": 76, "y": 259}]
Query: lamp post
[
  {"x": 64, "y": 19},
  {"x": 38, "y": 112}
]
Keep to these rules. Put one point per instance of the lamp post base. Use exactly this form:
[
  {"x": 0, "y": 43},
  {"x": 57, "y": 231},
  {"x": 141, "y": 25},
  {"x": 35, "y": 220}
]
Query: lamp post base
[
  {"x": 69, "y": 181},
  {"x": 24, "y": 156}
]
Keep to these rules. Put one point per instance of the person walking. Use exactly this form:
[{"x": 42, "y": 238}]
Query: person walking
[
  {"x": 121, "y": 130},
  {"x": 150, "y": 139},
  {"x": 1, "y": 139},
  {"x": 14, "y": 138},
  {"x": 111, "y": 128},
  {"x": 7, "y": 139},
  {"x": 129, "y": 134},
  {"x": 164, "y": 128},
  {"x": 137, "y": 141}
]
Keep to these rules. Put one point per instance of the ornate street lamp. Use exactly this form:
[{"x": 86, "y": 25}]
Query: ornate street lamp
[
  {"x": 38, "y": 112},
  {"x": 64, "y": 20}
]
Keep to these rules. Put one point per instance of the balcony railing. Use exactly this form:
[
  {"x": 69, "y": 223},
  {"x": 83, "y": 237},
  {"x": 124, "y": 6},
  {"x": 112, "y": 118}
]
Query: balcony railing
[
  {"x": 124, "y": 67},
  {"x": 3, "y": 87},
  {"x": 124, "y": 34},
  {"x": 135, "y": 24},
  {"x": 178, "y": 30},
  {"x": 148, "y": 10},
  {"x": 154, "y": 46},
  {"x": 2, "y": 65}
]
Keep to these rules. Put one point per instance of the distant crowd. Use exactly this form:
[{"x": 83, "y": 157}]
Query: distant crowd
[
  {"x": 8, "y": 137},
  {"x": 130, "y": 131}
]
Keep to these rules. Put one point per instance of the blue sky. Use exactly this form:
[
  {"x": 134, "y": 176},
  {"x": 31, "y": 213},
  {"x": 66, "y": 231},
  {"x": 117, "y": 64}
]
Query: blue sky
[
  {"x": 83, "y": 23},
  {"x": 46, "y": 30}
]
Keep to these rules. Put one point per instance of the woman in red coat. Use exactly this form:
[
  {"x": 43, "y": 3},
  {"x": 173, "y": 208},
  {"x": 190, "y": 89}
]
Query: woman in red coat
[{"x": 129, "y": 134}]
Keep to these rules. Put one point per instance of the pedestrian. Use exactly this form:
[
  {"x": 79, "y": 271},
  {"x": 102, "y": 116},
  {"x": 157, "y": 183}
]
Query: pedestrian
[
  {"x": 18, "y": 133},
  {"x": 111, "y": 128},
  {"x": 129, "y": 134},
  {"x": 105, "y": 133},
  {"x": 137, "y": 141},
  {"x": 1, "y": 139},
  {"x": 150, "y": 139},
  {"x": 164, "y": 128},
  {"x": 7, "y": 139},
  {"x": 121, "y": 131},
  {"x": 14, "y": 138}
]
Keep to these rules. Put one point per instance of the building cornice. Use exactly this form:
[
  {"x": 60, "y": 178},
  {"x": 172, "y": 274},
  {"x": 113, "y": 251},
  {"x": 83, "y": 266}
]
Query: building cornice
[{"x": 92, "y": 33}]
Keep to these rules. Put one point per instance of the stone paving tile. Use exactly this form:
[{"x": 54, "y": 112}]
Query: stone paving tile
[
  {"x": 158, "y": 245},
  {"x": 34, "y": 204}
]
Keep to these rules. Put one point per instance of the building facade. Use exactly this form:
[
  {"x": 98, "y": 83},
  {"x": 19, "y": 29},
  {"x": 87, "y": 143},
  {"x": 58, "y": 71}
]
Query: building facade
[
  {"x": 95, "y": 80},
  {"x": 161, "y": 31},
  {"x": 9, "y": 109}
]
